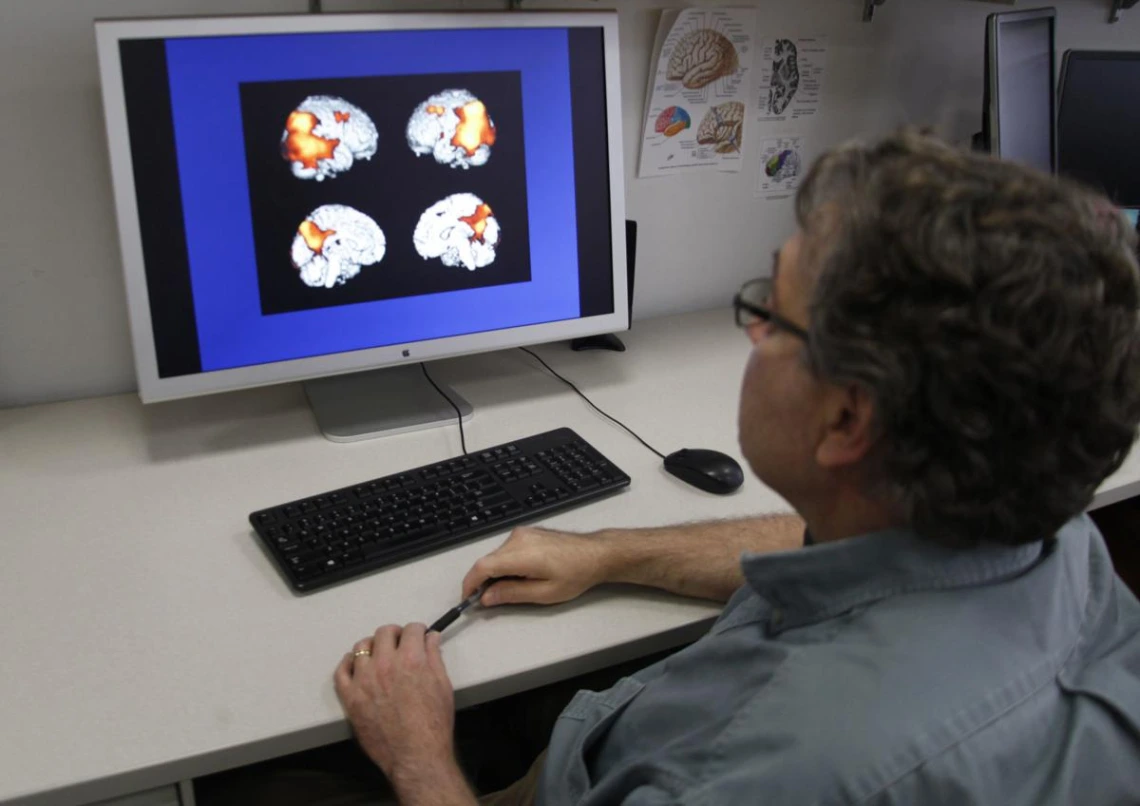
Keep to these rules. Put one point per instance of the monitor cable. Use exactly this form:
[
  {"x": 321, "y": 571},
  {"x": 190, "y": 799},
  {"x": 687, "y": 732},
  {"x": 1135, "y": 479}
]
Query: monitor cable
[
  {"x": 532, "y": 354},
  {"x": 458, "y": 414},
  {"x": 595, "y": 408}
]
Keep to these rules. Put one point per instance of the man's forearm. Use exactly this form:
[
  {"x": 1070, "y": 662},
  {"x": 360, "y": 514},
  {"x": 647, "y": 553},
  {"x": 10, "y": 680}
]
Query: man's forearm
[
  {"x": 439, "y": 783},
  {"x": 695, "y": 559}
]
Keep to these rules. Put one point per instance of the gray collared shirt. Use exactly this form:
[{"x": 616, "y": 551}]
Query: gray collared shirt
[{"x": 881, "y": 669}]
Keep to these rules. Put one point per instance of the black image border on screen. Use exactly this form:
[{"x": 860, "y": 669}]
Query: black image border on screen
[
  {"x": 393, "y": 188},
  {"x": 151, "y": 130}
]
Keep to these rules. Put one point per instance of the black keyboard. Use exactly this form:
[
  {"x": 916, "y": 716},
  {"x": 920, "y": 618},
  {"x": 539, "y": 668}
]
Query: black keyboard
[{"x": 342, "y": 534}]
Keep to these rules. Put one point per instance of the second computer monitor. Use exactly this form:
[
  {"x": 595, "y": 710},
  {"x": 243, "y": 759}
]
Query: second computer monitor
[
  {"x": 1098, "y": 123},
  {"x": 1019, "y": 86}
]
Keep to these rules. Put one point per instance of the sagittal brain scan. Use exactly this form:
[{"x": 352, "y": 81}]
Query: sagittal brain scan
[
  {"x": 454, "y": 127},
  {"x": 460, "y": 230},
  {"x": 325, "y": 135},
  {"x": 333, "y": 243},
  {"x": 785, "y": 76}
]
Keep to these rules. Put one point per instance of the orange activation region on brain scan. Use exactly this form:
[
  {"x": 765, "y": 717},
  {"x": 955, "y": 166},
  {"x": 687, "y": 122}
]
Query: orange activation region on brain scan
[
  {"x": 477, "y": 220},
  {"x": 435, "y": 109},
  {"x": 314, "y": 236},
  {"x": 341, "y": 117},
  {"x": 475, "y": 127},
  {"x": 301, "y": 145}
]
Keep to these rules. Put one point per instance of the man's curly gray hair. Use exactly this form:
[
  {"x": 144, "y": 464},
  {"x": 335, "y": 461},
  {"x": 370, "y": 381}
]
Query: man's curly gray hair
[{"x": 991, "y": 312}]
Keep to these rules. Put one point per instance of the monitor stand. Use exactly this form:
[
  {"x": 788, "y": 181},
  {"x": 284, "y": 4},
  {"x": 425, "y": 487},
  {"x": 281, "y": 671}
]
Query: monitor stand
[{"x": 380, "y": 402}]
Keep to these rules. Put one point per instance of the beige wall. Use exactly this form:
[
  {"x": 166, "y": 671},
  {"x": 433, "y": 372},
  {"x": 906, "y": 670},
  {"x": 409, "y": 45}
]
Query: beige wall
[{"x": 63, "y": 327}]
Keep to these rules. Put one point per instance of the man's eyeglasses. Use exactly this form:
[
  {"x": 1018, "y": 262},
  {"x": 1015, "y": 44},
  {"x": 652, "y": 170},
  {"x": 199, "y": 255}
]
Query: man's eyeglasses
[{"x": 751, "y": 306}]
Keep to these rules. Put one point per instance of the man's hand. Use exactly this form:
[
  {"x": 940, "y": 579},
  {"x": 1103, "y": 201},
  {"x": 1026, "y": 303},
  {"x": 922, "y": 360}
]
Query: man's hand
[
  {"x": 552, "y": 567},
  {"x": 400, "y": 703}
]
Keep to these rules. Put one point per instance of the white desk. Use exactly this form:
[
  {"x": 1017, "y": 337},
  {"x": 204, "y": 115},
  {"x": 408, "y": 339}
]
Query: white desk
[{"x": 145, "y": 638}]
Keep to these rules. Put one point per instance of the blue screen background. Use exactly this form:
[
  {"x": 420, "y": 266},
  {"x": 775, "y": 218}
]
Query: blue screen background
[{"x": 204, "y": 76}]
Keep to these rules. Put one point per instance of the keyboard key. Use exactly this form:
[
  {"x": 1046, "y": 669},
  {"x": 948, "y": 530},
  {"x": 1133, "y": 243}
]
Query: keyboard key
[
  {"x": 496, "y": 498},
  {"x": 307, "y": 572}
]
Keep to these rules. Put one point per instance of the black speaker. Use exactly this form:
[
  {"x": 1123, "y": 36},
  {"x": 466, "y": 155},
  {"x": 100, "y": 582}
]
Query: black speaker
[{"x": 608, "y": 341}]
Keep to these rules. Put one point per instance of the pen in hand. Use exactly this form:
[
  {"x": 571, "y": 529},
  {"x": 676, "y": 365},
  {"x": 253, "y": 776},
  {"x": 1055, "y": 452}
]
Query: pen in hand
[{"x": 451, "y": 615}]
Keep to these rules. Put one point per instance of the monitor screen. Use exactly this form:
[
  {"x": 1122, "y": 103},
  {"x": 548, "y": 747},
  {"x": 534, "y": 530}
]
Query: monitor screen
[
  {"x": 1022, "y": 73},
  {"x": 311, "y": 195},
  {"x": 1098, "y": 122}
]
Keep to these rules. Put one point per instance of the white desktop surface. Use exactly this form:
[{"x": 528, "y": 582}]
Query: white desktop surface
[{"x": 145, "y": 637}]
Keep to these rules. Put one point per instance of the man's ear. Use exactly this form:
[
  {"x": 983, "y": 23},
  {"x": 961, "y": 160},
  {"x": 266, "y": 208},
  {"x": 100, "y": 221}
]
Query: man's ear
[{"x": 849, "y": 427}]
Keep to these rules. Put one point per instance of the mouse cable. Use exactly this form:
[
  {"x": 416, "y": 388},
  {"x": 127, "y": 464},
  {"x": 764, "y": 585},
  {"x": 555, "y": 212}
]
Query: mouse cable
[
  {"x": 595, "y": 408},
  {"x": 458, "y": 413}
]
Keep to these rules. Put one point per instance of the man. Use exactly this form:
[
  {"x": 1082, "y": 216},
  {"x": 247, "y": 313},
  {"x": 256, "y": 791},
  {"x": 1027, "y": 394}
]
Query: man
[{"x": 944, "y": 367}]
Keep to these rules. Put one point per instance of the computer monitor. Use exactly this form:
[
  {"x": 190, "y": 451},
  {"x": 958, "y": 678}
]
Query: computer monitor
[
  {"x": 309, "y": 196},
  {"x": 1098, "y": 122},
  {"x": 1019, "y": 108}
]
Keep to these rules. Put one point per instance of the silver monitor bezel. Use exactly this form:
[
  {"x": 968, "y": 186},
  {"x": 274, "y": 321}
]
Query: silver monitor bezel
[{"x": 151, "y": 387}]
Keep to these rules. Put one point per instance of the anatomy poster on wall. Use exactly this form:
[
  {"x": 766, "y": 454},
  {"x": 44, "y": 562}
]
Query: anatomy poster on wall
[
  {"x": 790, "y": 77},
  {"x": 782, "y": 166},
  {"x": 699, "y": 93}
]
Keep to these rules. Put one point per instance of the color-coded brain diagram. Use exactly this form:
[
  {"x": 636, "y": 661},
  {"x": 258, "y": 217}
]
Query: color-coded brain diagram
[
  {"x": 784, "y": 165},
  {"x": 672, "y": 121},
  {"x": 333, "y": 243},
  {"x": 723, "y": 128},
  {"x": 701, "y": 57},
  {"x": 454, "y": 127},
  {"x": 460, "y": 230},
  {"x": 325, "y": 135}
]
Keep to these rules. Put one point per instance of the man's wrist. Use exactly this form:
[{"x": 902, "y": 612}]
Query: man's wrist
[{"x": 612, "y": 556}]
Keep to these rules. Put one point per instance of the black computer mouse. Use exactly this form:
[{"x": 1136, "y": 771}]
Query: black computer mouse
[{"x": 711, "y": 471}]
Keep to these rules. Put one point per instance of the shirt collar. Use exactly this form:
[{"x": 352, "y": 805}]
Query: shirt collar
[{"x": 821, "y": 581}]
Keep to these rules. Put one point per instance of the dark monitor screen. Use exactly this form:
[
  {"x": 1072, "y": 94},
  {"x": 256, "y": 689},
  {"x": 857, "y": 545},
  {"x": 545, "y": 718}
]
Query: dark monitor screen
[{"x": 1098, "y": 122}]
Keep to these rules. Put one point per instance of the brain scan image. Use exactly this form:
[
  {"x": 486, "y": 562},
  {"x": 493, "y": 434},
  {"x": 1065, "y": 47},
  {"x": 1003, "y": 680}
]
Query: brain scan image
[
  {"x": 454, "y": 127},
  {"x": 334, "y": 243},
  {"x": 460, "y": 230},
  {"x": 784, "y": 165},
  {"x": 700, "y": 58},
  {"x": 324, "y": 136},
  {"x": 672, "y": 121},
  {"x": 723, "y": 128},
  {"x": 785, "y": 76}
]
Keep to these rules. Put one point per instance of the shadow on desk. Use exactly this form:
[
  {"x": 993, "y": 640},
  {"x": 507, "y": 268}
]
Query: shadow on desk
[
  {"x": 232, "y": 421},
  {"x": 496, "y": 743},
  {"x": 512, "y": 376}
]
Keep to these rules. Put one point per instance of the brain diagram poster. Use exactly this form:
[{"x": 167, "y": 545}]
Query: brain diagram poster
[
  {"x": 790, "y": 80},
  {"x": 700, "y": 92},
  {"x": 782, "y": 166}
]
